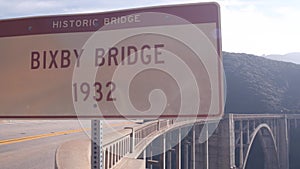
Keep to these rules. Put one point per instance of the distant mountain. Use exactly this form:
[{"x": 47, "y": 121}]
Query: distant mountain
[
  {"x": 290, "y": 57},
  {"x": 259, "y": 85}
]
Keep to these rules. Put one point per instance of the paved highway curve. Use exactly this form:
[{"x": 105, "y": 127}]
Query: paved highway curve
[{"x": 32, "y": 144}]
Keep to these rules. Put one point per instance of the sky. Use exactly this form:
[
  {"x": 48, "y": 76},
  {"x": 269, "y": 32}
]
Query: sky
[{"x": 259, "y": 27}]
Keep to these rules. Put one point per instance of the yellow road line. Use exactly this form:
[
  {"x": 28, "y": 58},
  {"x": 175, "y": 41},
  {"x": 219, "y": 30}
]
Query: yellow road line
[
  {"x": 21, "y": 139},
  {"x": 28, "y": 138}
]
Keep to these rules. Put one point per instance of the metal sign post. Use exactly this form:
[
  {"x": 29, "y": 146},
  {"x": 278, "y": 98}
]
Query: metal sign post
[{"x": 96, "y": 144}]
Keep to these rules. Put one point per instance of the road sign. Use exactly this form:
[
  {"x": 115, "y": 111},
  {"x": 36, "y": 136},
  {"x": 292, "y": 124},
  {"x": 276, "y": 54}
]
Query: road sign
[{"x": 156, "y": 62}]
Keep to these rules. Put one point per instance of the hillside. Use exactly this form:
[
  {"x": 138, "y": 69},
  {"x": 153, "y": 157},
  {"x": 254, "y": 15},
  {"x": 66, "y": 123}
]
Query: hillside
[
  {"x": 259, "y": 85},
  {"x": 290, "y": 57}
]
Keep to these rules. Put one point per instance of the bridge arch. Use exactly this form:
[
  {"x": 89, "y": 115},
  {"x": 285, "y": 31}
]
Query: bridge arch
[{"x": 266, "y": 138}]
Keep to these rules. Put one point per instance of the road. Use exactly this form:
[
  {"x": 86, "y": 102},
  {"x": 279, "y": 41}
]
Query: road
[{"x": 32, "y": 144}]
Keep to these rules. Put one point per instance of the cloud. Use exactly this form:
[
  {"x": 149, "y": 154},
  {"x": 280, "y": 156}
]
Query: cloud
[
  {"x": 254, "y": 29},
  {"x": 17, "y": 8},
  {"x": 251, "y": 26}
]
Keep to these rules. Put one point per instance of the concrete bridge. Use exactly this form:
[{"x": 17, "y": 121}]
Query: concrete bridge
[{"x": 233, "y": 142}]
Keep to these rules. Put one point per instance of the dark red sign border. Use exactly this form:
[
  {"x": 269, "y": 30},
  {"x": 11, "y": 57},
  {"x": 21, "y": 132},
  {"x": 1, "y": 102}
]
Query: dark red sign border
[{"x": 194, "y": 13}]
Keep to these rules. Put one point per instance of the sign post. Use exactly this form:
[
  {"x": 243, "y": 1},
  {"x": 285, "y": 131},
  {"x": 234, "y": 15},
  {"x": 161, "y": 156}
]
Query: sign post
[{"x": 96, "y": 144}]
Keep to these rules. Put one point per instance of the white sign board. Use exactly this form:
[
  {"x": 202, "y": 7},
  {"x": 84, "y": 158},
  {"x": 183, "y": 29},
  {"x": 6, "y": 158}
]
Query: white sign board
[{"x": 158, "y": 62}]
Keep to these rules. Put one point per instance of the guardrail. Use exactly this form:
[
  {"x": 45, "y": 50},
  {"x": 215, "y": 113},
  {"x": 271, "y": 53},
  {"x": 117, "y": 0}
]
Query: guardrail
[
  {"x": 133, "y": 139},
  {"x": 115, "y": 146},
  {"x": 118, "y": 146}
]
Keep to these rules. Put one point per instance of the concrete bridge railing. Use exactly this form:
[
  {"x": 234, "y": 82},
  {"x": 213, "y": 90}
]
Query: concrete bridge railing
[{"x": 115, "y": 147}]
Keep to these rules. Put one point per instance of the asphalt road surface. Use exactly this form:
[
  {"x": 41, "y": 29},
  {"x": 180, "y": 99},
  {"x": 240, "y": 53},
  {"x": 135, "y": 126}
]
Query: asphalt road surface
[{"x": 32, "y": 144}]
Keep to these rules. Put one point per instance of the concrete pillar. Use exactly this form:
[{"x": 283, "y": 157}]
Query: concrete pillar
[
  {"x": 149, "y": 155},
  {"x": 185, "y": 154},
  {"x": 163, "y": 154},
  {"x": 241, "y": 145},
  {"x": 274, "y": 130},
  {"x": 169, "y": 151},
  {"x": 222, "y": 145},
  {"x": 169, "y": 159},
  {"x": 178, "y": 150},
  {"x": 199, "y": 149},
  {"x": 283, "y": 148},
  {"x": 132, "y": 139},
  {"x": 145, "y": 156},
  {"x": 193, "y": 147},
  {"x": 206, "y": 144},
  {"x": 248, "y": 132}
]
